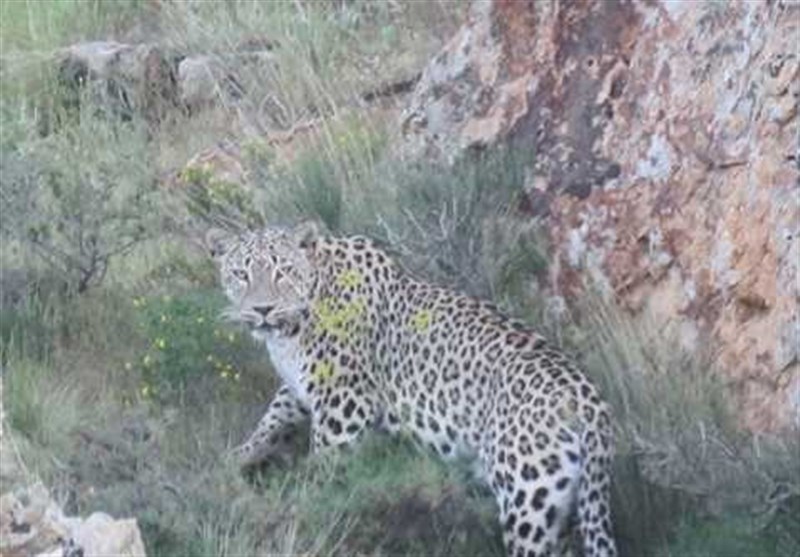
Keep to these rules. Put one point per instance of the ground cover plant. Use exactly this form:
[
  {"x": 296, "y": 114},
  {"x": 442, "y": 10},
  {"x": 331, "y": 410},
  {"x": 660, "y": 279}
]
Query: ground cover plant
[{"x": 126, "y": 390}]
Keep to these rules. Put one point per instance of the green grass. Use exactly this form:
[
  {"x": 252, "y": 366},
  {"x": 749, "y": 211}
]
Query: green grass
[
  {"x": 729, "y": 536},
  {"x": 31, "y": 31},
  {"x": 458, "y": 226},
  {"x": 686, "y": 478},
  {"x": 38, "y": 25},
  {"x": 323, "y": 54},
  {"x": 41, "y": 406},
  {"x": 331, "y": 179},
  {"x": 163, "y": 461}
]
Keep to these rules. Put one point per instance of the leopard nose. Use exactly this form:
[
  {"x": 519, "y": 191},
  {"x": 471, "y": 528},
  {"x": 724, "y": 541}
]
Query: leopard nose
[{"x": 263, "y": 310}]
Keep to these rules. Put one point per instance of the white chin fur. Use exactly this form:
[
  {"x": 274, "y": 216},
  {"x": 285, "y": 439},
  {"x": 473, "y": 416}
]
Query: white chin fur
[
  {"x": 287, "y": 359},
  {"x": 265, "y": 333}
]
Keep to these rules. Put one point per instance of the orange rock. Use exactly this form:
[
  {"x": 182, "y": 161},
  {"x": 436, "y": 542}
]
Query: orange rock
[{"x": 663, "y": 140}]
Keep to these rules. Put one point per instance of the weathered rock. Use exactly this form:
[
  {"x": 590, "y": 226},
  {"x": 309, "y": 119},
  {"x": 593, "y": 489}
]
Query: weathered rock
[
  {"x": 664, "y": 142},
  {"x": 221, "y": 163},
  {"x": 128, "y": 79},
  {"x": 198, "y": 82},
  {"x": 31, "y": 523},
  {"x": 204, "y": 82},
  {"x": 11, "y": 469},
  {"x": 101, "y": 535}
]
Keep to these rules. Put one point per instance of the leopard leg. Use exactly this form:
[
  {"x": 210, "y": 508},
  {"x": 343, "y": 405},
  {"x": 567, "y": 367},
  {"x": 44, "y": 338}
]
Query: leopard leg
[
  {"x": 341, "y": 414},
  {"x": 273, "y": 432},
  {"x": 535, "y": 474}
]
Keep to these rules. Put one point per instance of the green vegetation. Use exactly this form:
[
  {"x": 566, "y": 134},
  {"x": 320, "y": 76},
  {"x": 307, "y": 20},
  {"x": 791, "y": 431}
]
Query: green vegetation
[
  {"x": 684, "y": 473},
  {"x": 333, "y": 179},
  {"x": 126, "y": 389},
  {"x": 36, "y": 26},
  {"x": 187, "y": 345},
  {"x": 79, "y": 198}
]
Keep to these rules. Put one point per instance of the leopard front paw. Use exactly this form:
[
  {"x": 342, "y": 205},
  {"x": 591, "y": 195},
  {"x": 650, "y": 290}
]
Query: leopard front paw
[{"x": 243, "y": 455}]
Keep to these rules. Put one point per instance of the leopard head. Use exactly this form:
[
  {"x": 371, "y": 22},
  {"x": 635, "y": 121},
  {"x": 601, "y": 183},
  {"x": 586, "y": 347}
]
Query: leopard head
[{"x": 267, "y": 274}]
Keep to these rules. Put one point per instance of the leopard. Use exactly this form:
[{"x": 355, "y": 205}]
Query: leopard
[{"x": 361, "y": 344}]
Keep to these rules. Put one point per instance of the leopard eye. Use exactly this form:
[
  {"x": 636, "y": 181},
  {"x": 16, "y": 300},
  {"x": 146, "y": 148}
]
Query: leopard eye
[
  {"x": 240, "y": 274},
  {"x": 281, "y": 273}
]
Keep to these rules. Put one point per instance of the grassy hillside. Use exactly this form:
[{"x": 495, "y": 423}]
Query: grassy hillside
[{"x": 126, "y": 390}]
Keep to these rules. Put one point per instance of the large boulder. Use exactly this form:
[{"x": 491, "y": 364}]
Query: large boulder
[
  {"x": 127, "y": 79},
  {"x": 101, "y": 535},
  {"x": 31, "y": 523},
  {"x": 204, "y": 81},
  {"x": 664, "y": 147}
]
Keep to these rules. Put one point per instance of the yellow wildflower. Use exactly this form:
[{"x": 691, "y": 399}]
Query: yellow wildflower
[
  {"x": 201, "y": 319},
  {"x": 161, "y": 343},
  {"x": 146, "y": 360}
]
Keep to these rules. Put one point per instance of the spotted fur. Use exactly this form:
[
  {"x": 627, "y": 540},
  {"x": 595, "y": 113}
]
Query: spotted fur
[{"x": 360, "y": 344}]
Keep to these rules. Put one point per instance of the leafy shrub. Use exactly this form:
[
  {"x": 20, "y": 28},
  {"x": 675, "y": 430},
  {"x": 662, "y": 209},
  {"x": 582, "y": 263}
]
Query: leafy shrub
[
  {"x": 79, "y": 198},
  {"x": 213, "y": 199},
  {"x": 186, "y": 344}
]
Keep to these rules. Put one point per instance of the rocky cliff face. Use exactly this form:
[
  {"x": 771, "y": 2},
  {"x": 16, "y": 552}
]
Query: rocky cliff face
[{"x": 664, "y": 145}]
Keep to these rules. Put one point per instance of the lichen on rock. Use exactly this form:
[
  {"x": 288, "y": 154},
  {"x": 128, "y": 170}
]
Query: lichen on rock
[{"x": 663, "y": 142}]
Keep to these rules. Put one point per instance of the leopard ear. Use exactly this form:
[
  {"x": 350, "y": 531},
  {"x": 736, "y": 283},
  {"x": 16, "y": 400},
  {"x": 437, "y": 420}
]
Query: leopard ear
[
  {"x": 306, "y": 234},
  {"x": 218, "y": 242}
]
